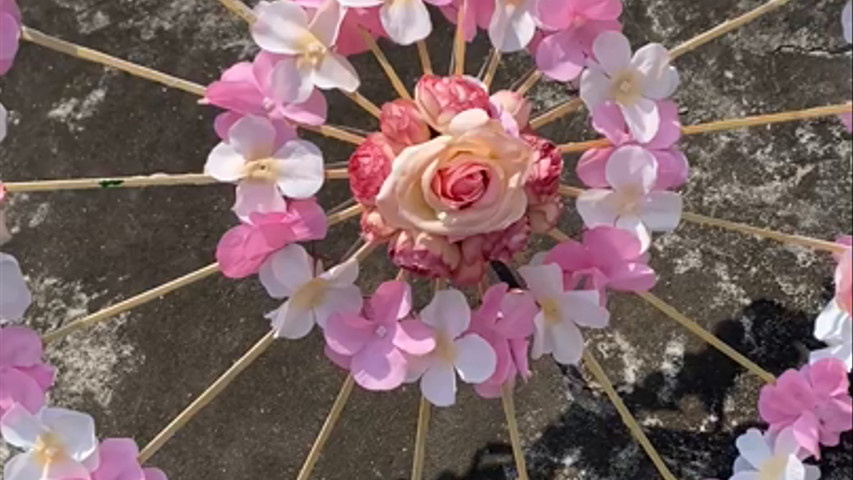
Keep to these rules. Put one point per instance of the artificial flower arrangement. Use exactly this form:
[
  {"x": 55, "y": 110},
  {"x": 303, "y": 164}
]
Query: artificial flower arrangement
[{"x": 454, "y": 183}]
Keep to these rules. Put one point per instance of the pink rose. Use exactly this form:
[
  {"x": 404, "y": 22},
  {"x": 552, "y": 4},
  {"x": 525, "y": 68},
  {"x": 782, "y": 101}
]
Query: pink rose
[
  {"x": 424, "y": 254},
  {"x": 442, "y": 98},
  {"x": 10, "y": 33},
  {"x": 467, "y": 182},
  {"x": 547, "y": 169},
  {"x": 544, "y": 216},
  {"x": 24, "y": 377},
  {"x": 118, "y": 461},
  {"x": 477, "y": 14},
  {"x": 514, "y": 104},
  {"x": 479, "y": 250},
  {"x": 369, "y": 166},
  {"x": 402, "y": 124},
  {"x": 373, "y": 227}
]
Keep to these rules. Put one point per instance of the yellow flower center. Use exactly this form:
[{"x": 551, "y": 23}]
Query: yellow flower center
[
  {"x": 48, "y": 449},
  {"x": 313, "y": 50},
  {"x": 310, "y": 295},
  {"x": 626, "y": 88},
  {"x": 263, "y": 170},
  {"x": 551, "y": 309},
  {"x": 773, "y": 468},
  {"x": 445, "y": 349},
  {"x": 629, "y": 199}
]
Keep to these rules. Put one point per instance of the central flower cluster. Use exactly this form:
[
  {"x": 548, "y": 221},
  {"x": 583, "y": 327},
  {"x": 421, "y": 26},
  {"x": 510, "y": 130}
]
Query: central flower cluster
[{"x": 453, "y": 180}]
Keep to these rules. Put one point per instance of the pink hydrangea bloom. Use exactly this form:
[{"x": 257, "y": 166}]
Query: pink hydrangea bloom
[
  {"x": 402, "y": 124},
  {"x": 814, "y": 401},
  {"x": 376, "y": 341},
  {"x": 24, "y": 377},
  {"x": 10, "y": 33},
  {"x": 350, "y": 41},
  {"x": 440, "y": 99},
  {"x": 369, "y": 166},
  {"x": 607, "y": 119},
  {"x": 118, "y": 461},
  {"x": 505, "y": 320},
  {"x": 243, "y": 249},
  {"x": 426, "y": 255}
]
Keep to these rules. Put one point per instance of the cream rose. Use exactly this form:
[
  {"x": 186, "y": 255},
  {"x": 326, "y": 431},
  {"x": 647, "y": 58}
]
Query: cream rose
[{"x": 467, "y": 182}]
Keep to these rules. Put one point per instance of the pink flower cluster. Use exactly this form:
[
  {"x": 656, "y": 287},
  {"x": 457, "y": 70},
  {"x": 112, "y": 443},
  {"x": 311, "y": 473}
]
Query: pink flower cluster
[{"x": 24, "y": 377}]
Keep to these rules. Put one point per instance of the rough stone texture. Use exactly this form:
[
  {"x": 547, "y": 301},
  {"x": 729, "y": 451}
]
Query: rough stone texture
[{"x": 85, "y": 250}]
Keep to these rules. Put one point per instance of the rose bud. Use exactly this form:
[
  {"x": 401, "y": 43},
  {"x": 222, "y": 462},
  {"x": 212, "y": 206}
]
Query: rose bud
[
  {"x": 369, "y": 166},
  {"x": 402, "y": 124},
  {"x": 374, "y": 228},
  {"x": 546, "y": 170},
  {"x": 423, "y": 254},
  {"x": 544, "y": 216},
  {"x": 515, "y": 104},
  {"x": 442, "y": 98}
]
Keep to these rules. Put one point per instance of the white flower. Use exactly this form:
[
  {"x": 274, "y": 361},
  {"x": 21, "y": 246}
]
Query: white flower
[
  {"x": 15, "y": 297},
  {"x": 834, "y": 327},
  {"x": 58, "y": 444},
  {"x": 632, "y": 204},
  {"x": 847, "y": 22},
  {"x": 263, "y": 174},
  {"x": 405, "y": 21},
  {"x": 4, "y": 119},
  {"x": 313, "y": 295},
  {"x": 763, "y": 457},
  {"x": 632, "y": 83},
  {"x": 513, "y": 25},
  {"x": 283, "y": 27},
  {"x": 468, "y": 355},
  {"x": 561, "y": 313}
]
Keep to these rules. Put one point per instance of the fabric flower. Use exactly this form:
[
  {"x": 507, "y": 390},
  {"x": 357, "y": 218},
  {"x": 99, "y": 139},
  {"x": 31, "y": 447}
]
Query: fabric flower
[
  {"x": 512, "y": 26},
  {"x": 546, "y": 169},
  {"x": 847, "y": 22},
  {"x": 560, "y": 314},
  {"x": 425, "y": 255},
  {"x": 59, "y": 444},
  {"x": 632, "y": 204},
  {"x": 455, "y": 352},
  {"x": 478, "y": 250},
  {"x": 478, "y": 13},
  {"x": 406, "y": 21},
  {"x": 350, "y": 40},
  {"x": 834, "y": 326},
  {"x": 505, "y": 320},
  {"x": 373, "y": 227},
  {"x": 244, "y": 248},
  {"x": 813, "y": 402},
  {"x": 369, "y": 166},
  {"x": 376, "y": 341},
  {"x": 770, "y": 457},
  {"x": 844, "y": 275},
  {"x": 467, "y": 182},
  {"x": 632, "y": 83},
  {"x": 402, "y": 125},
  {"x": 312, "y": 295},
  {"x": 15, "y": 297},
  {"x": 264, "y": 173},
  {"x": 24, "y": 377},
  {"x": 441, "y": 99},
  {"x": 283, "y": 27},
  {"x": 562, "y": 55},
  {"x": 119, "y": 462},
  {"x": 4, "y": 122},
  {"x": 514, "y": 105},
  {"x": 10, "y": 33},
  {"x": 544, "y": 216},
  {"x": 672, "y": 166}
]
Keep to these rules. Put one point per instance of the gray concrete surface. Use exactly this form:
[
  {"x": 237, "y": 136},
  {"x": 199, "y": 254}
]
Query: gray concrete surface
[{"x": 85, "y": 250}]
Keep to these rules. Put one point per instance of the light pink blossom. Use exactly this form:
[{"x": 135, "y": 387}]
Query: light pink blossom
[
  {"x": 406, "y": 21},
  {"x": 402, "y": 124},
  {"x": 479, "y": 250},
  {"x": 119, "y": 461},
  {"x": 10, "y": 33},
  {"x": 512, "y": 105},
  {"x": 834, "y": 325},
  {"x": 478, "y": 13},
  {"x": 770, "y": 456},
  {"x": 15, "y": 297},
  {"x": 441, "y": 99},
  {"x": 513, "y": 25},
  {"x": 813, "y": 401},
  {"x": 847, "y": 22},
  {"x": 369, "y": 166},
  {"x": 24, "y": 377},
  {"x": 350, "y": 40}
]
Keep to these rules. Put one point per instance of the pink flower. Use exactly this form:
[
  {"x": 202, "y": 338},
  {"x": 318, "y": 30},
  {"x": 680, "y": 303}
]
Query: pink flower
[
  {"x": 847, "y": 120},
  {"x": 5, "y": 234},
  {"x": 373, "y": 227},
  {"x": 118, "y": 461},
  {"x": 243, "y": 249},
  {"x": 10, "y": 33},
  {"x": 608, "y": 258},
  {"x": 402, "y": 124},
  {"x": 377, "y": 340},
  {"x": 479, "y": 250},
  {"x": 15, "y": 297},
  {"x": 406, "y": 22},
  {"x": 844, "y": 275},
  {"x": 515, "y": 106},
  {"x": 478, "y": 14},
  {"x": 544, "y": 216},
  {"x": 442, "y": 98},
  {"x": 609, "y": 121},
  {"x": 369, "y": 166},
  {"x": 350, "y": 41},
  {"x": 24, "y": 377},
  {"x": 814, "y": 401},
  {"x": 423, "y": 254},
  {"x": 505, "y": 320},
  {"x": 250, "y": 89},
  {"x": 546, "y": 169}
]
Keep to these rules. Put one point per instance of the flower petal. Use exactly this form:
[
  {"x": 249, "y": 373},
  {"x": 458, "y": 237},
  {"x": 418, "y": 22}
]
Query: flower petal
[
  {"x": 643, "y": 119},
  {"x": 660, "y": 80},
  {"x": 560, "y": 56},
  {"x": 414, "y": 337},
  {"x": 438, "y": 384},
  {"x": 21, "y": 428},
  {"x": 661, "y": 211},
  {"x": 225, "y": 164},
  {"x": 289, "y": 83},
  {"x": 448, "y": 312},
  {"x": 476, "y": 359},
  {"x": 544, "y": 281},
  {"x": 390, "y": 302},
  {"x": 598, "y": 208},
  {"x": 286, "y": 270},
  {"x": 406, "y": 21},
  {"x": 512, "y": 26},
  {"x": 23, "y": 467},
  {"x": 582, "y": 307},
  {"x": 257, "y": 197},
  {"x": 567, "y": 342},
  {"x": 347, "y": 337},
  {"x": 281, "y": 27},
  {"x": 612, "y": 51},
  {"x": 75, "y": 430},
  {"x": 753, "y": 447},
  {"x": 339, "y": 299},
  {"x": 335, "y": 72},
  {"x": 291, "y": 323},
  {"x": 379, "y": 366},
  {"x": 299, "y": 165},
  {"x": 631, "y": 168}
]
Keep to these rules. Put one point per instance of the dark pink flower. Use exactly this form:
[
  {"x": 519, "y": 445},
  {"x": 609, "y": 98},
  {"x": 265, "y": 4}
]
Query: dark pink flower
[
  {"x": 479, "y": 250},
  {"x": 544, "y": 216},
  {"x": 369, "y": 166},
  {"x": 10, "y": 33},
  {"x": 24, "y": 377},
  {"x": 442, "y": 98},
  {"x": 425, "y": 255},
  {"x": 402, "y": 124},
  {"x": 118, "y": 460},
  {"x": 546, "y": 169}
]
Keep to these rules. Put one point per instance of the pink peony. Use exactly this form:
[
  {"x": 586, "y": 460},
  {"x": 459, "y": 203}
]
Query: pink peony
[
  {"x": 440, "y": 99},
  {"x": 844, "y": 275},
  {"x": 24, "y": 377},
  {"x": 369, "y": 166},
  {"x": 544, "y": 216},
  {"x": 423, "y": 254},
  {"x": 402, "y": 124},
  {"x": 479, "y": 250},
  {"x": 546, "y": 169},
  {"x": 243, "y": 249},
  {"x": 672, "y": 167},
  {"x": 373, "y": 227},
  {"x": 505, "y": 320},
  {"x": 118, "y": 461},
  {"x": 508, "y": 102},
  {"x": 10, "y": 33},
  {"x": 376, "y": 342},
  {"x": 814, "y": 401}
]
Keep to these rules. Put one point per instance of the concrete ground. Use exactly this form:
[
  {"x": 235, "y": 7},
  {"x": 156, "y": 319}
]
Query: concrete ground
[{"x": 86, "y": 250}]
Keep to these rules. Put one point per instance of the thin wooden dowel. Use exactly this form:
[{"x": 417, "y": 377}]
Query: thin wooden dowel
[
  {"x": 725, "y": 28},
  {"x": 206, "y": 397},
  {"x": 426, "y": 61},
  {"x": 240, "y": 9},
  {"x": 529, "y": 82},
  {"x": 556, "y": 113},
  {"x": 514, "y": 435},
  {"x": 707, "y": 337},
  {"x": 334, "y": 132},
  {"x": 53, "y": 43},
  {"x": 558, "y": 235},
  {"x": 326, "y": 431},
  {"x": 364, "y": 103},
  {"x": 627, "y": 418},
  {"x": 459, "y": 44},
  {"x": 492, "y": 68},
  {"x": 345, "y": 214},
  {"x": 385, "y": 64},
  {"x": 424, "y": 410}
]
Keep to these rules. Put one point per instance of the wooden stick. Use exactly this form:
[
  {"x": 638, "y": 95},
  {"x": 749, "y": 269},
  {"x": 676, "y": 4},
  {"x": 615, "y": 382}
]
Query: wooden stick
[
  {"x": 69, "y": 48},
  {"x": 514, "y": 436},
  {"x": 130, "y": 303},
  {"x": 627, "y": 418},
  {"x": 364, "y": 103},
  {"x": 556, "y": 113},
  {"x": 240, "y": 9},
  {"x": 707, "y": 336},
  {"x": 334, "y": 132},
  {"x": 492, "y": 68},
  {"x": 725, "y": 28},
  {"x": 326, "y": 431},
  {"x": 459, "y": 45},
  {"x": 206, "y": 397},
  {"x": 386, "y": 65},
  {"x": 420, "y": 439},
  {"x": 426, "y": 62},
  {"x": 345, "y": 214},
  {"x": 529, "y": 82},
  {"x": 558, "y": 235}
]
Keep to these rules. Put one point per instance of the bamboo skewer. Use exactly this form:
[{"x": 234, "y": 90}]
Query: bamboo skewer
[
  {"x": 514, "y": 435},
  {"x": 424, "y": 410},
  {"x": 364, "y": 103},
  {"x": 529, "y": 82},
  {"x": 326, "y": 431},
  {"x": 334, "y": 132},
  {"x": 707, "y": 337},
  {"x": 556, "y": 113},
  {"x": 595, "y": 368},
  {"x": 240, "y": 9},
  {"x": 459, "y": 45},
  {"x": 492, "y": 68},
  {"x": 345, "y": 214},
  {"x": 558, "y": 235},
  {"x": 423, "y": 53},
  {"x": 386, "y": 65}
]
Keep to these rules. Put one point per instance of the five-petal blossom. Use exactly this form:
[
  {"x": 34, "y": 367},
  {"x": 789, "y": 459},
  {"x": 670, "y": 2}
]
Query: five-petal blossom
[{"x": 770, "y": 457}]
